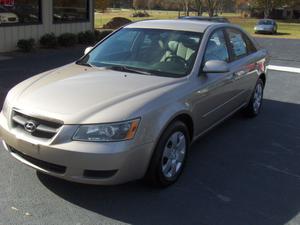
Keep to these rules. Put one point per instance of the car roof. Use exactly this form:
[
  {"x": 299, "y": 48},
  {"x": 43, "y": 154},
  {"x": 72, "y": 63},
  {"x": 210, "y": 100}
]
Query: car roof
[
  {"x": 202, "y": 17},
  {"x": 214, "y": 18},
  {"x": 182, "y": 25},
  {"x": 266, "y": 20}
]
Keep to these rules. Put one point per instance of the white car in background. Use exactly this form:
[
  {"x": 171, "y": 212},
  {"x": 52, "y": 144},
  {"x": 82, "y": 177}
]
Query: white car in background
[
  {"x": 7, "y": 16},
  {"x": 266, "y": 26}
]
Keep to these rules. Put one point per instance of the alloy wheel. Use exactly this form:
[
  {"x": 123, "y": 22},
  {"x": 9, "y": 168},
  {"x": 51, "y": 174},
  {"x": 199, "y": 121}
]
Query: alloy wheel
[
  {"x": 258, "y": 95},
  {"x": 173, "y": 155}
]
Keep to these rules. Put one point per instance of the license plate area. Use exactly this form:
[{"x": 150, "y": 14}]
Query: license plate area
[{"x": 27, "y": 147}]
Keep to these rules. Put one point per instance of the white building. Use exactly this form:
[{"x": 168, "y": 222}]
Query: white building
[{"x": 24, "y": 19}]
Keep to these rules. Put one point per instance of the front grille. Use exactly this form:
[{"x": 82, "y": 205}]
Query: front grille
[
  {"x": 12, "y": 19},
  {"x": 39, "y": 163},
  {"x": 42, "y": 128}
]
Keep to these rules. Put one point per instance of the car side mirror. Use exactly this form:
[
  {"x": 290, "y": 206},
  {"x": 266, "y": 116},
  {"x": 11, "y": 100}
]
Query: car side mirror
[
  {"x": 215, "y": 66},
  {"x": 87, "y": 50}
]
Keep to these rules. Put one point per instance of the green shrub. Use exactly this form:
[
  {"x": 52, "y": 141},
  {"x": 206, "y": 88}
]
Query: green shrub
[
  {"x": 116, "y": 23},
  {"x": 67, "y": 39},
  {"x": 99, "y": 35},
  {"x": 26, "y": 45},
  {"x": 87, "y": 37},
  {"x": 49, "y": 40}
]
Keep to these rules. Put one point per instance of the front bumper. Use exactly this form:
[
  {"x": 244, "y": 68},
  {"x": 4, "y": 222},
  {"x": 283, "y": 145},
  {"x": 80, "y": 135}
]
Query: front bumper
[
  {"x": 83, "y": 162},
  {"x": 263, "y": 31}
]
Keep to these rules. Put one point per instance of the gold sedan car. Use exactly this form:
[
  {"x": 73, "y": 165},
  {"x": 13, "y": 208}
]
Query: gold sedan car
[{"x": 132, "y": 105}]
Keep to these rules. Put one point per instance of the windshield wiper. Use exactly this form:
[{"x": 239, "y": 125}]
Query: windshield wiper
[
  {"x": 83, "y": 64},
  {"x": 128, "y": 69}
]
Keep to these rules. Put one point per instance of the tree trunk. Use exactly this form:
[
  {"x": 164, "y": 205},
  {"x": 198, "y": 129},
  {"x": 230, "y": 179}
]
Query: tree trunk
[
  {"x": 200, "y": 11},
  {"x": 179, "y": 8},
  {"x": 211, "y": 12},
  {"x": 267, "y": 9},
  {"x": 187, "y": 8},
  {"x": 266, "y": 13}
]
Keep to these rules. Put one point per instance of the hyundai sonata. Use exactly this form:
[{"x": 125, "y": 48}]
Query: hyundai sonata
[{"x": 131, "y": 107}]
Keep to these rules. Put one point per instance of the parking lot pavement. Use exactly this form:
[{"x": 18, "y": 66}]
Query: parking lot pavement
[
  {"x": 246, "y": 171},
  {"x": 284, "y": 52}
]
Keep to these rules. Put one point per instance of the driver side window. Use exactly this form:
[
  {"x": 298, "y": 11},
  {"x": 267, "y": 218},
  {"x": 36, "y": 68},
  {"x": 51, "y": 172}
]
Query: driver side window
[{"x": 216, "y": 48}]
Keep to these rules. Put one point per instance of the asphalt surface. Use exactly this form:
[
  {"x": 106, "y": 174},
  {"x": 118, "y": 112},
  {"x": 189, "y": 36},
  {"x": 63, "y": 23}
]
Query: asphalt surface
[
  {"x": 244, "y": 172},
  {"x": 284, "y": 52}
]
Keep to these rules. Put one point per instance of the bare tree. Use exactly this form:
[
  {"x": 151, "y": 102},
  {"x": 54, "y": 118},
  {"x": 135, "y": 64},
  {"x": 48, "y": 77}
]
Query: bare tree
[
  {"x": 199, "y": 6},
  {"x": 186, "y": 6},
  {"x": 212, "y": 6},
  {"x": 179, "y": 7},
  {"x": 140, "y": 4},
  {"x": 268, "y": 5},
  {"x": 101, "y": 5}
]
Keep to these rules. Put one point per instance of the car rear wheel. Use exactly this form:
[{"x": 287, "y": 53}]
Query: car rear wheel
[
  {"x": 255, "y": 104},
  {"x": 169, "y": 157}
]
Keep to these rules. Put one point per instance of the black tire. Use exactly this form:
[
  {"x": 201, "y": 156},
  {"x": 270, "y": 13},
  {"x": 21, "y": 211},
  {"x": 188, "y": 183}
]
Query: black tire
[
  {"x": 252, "y": 110},
  {"x": 155, "y": 175}
]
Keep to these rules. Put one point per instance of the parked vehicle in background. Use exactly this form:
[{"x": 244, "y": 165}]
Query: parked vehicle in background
[
  {"x": 133, "y": 104},
  {"x": 206, "y": 18},
  {"x": 7, "y": 17},
  {"x": 67, "y": 14},
  {"x": 267, "y": 26},
  {"x": 27, "y": 13}
]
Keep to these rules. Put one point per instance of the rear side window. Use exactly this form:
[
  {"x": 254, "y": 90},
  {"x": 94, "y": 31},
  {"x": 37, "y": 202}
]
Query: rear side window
[
  {"x": 250, "y": 46},
  {"x": 237, "y": 43}
]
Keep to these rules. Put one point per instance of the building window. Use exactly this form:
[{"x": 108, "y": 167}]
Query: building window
[
  {"x": 65, "y": 11},
  {"x": 19, "y": 12}
]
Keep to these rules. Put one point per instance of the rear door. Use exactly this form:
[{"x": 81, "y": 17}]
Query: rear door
[{"x": 244, "y": 64}]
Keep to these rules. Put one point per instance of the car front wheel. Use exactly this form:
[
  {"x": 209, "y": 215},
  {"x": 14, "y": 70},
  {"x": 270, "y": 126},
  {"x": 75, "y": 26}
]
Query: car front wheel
[{"x": 169, "y": 156}]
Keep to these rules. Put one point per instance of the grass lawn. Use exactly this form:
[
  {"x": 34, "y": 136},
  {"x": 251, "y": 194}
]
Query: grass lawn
[{"x": 285, "y": 30}]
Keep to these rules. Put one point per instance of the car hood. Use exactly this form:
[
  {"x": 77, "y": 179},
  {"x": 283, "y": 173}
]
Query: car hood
[
  {"x": 265, "y": 26},
  {"x": 76, "y": 91},
  {"x": 8, "y": 14}
]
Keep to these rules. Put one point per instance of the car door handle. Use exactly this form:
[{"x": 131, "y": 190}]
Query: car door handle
[
  {"x": 239, "y": 73},
  {"x": 203, "y": 92}
]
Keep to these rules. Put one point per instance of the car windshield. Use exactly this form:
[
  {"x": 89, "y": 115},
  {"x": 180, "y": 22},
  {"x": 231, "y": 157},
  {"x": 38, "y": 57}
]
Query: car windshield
[
  {"x": 2, "y": 10},
  {"x": 147, "y": 51},
  {"x": 265, "y": 22}
]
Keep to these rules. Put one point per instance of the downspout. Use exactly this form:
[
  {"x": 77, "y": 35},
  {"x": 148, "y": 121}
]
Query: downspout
[{"x": 93, "y": 14}]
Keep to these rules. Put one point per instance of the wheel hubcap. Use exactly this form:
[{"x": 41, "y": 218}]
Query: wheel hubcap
[
  {"x": 174, "y": 154},
  {"x": 257, "y": 97}
]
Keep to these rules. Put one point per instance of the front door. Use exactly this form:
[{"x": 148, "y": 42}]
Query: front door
[{"x": 216, "y": 90}]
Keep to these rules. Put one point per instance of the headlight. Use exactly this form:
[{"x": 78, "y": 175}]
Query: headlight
[{"x": 107, "y": 132}]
